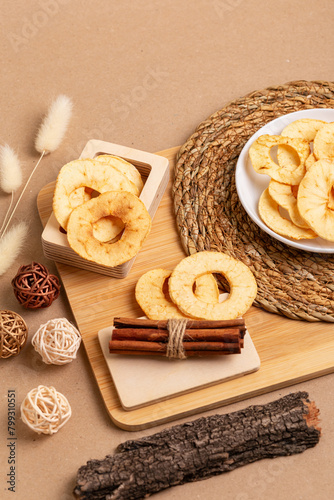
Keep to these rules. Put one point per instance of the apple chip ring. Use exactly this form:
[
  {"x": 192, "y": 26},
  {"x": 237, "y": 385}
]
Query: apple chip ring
[
  {"x": 85, "y": 173},
  {"x": 155, "y": 301},
  {"x": 122, "y": 204},
  {"x": 108, "y": 228},
  {"x": 306, "y": 129},
  {"x": 262, "y": 162},
  {"x": 269, "y": 213},
  {"x": 323, "y": 144},
  {"x": 243, "y": 288},
  {"x": 286, "y": 197},
  {"x": 105, "y": 229},
  {"x": 125, "y": 167},
  {"x": 315, "y": 198}
]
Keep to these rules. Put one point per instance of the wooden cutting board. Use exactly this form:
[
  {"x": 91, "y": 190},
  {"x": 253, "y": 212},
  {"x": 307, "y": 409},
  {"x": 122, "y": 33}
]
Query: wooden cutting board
[{"x": 290, "y": 351}]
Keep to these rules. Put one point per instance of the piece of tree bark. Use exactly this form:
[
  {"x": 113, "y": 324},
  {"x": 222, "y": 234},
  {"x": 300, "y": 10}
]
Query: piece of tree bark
[{"x": 201, "y": 449}]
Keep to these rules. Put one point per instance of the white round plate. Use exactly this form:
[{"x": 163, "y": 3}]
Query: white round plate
[{"x": 250, "y": 184}]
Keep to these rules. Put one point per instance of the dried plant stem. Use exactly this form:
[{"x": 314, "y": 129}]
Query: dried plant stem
[
  {"x": 8, "y": 211},
  {"x": 22, "y": 193}
]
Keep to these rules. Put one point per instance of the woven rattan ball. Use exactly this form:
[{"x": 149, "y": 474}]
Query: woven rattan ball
[
  {"x": 57, "y": 341},
  {"x": 45, "y": 410},
  {"x": 35, "y": 287},
  {"x": 13, "y": 333}
]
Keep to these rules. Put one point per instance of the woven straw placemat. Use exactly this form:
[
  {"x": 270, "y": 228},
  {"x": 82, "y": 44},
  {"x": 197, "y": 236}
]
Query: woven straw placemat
[{"x": 209, "y": 215}]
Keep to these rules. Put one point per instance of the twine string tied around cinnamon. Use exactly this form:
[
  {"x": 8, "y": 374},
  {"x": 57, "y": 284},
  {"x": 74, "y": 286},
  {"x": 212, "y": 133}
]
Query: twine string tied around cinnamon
[{"x": 176, "y": 329}]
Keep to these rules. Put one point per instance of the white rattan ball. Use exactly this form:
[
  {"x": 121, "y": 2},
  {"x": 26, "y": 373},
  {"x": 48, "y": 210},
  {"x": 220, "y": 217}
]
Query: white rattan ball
[
  {"x": 57, "y": 341},
  {"x": 45, "y": 410}
]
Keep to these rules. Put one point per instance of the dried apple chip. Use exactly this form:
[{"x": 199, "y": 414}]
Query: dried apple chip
[
  {"x": 85, "y": 173},
  {"x": 286, "y": 197},
  {"x": 156, "y": 303},
  {"x": 243, "y": 288},
  {"x": 262, "y": 162},
  {"x": 306, "y": 129},
  {"x": 269, "y": 213},
  {"x": 110, "y": 227},
  {"x": 323, "y": 144},
  {"x": 123, "y": 166},
  {"x": 315, "y": 198},
  {"x": 310, "y": 160},
  {"x": 122, "y": 204}
]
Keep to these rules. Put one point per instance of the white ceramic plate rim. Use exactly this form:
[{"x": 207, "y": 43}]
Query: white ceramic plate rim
[{"x": 250, "y": 184}]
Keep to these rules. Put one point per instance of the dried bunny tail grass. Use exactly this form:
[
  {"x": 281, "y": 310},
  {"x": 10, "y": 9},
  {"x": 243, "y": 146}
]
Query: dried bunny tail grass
[
  {"x": 10, "y": 170},
  {"x": 54, "y": 125},
  {"x": 11, "y": 245},
  {"x": 49, "y": 137},
  {"x": 10, "y": 175}
]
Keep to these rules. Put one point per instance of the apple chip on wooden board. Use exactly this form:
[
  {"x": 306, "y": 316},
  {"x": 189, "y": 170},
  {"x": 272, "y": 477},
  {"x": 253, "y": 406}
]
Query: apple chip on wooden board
[
  {"x": 203, "y": 304},
  {"x": 152, "y": 294},
  {"x": 243, "y": 288},
  {"x": 302, "y": 184},
  {"x": 121, "y": 204}
]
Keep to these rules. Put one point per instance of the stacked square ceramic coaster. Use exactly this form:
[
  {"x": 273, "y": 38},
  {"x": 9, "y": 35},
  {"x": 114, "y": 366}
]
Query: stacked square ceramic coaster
[{"x": 154, "y": 170}]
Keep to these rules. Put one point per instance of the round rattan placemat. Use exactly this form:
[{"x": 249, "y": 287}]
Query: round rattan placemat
[{"x": 209, "y": 215}]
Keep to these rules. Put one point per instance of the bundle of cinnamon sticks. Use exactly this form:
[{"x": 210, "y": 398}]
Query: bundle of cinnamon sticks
[{"x": 201, "y": 338}]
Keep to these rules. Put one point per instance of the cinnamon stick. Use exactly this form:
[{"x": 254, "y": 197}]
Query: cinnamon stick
[
  {"x": 153, "y": 347},
  {"x": 152, "y": 337},
  {"x": 121, "y": 322},
  {"x": 157, "y": 335}
]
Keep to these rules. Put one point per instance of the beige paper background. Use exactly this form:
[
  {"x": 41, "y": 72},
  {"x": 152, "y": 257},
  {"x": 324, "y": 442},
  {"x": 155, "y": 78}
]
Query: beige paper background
[{"x": 142, "y": 74}]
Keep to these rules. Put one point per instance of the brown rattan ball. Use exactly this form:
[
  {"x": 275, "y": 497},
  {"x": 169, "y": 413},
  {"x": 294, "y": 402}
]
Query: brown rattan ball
[
  {"x": 13, "y": 334},
  {"x": 35, "y": 287}
]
